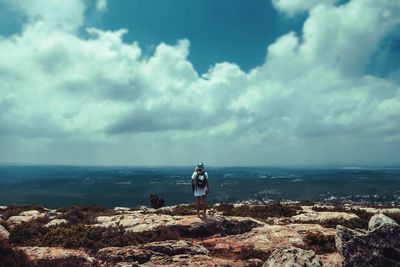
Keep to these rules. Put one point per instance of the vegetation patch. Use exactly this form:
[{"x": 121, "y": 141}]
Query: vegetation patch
[
  {"x": 320, "y": 243},
  {"x": 156, "y": 202},
  {"x": 259, "y": 211},
  {"x": 83, "y": 214},
  {"x": 361, "y": 222},
  {"x": 82, "y": 236}
]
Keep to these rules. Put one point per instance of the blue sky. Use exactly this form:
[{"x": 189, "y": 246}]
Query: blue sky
[{"x": 172, "y": 82}]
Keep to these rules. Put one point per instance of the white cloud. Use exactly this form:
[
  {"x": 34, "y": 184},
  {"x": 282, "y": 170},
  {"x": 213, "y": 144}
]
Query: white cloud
[
  {"x": 101, "y": 5},
  {"x": 291, "y": 7},
  {"x": 98, "y": 100}
]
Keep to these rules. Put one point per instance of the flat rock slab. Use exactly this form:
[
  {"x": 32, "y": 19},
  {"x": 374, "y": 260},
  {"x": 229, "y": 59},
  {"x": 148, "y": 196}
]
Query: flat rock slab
[
  {"x": 323, "y": 216},
  {"x": 54, "y": 253},
  {"x": 267, "y": 237}
]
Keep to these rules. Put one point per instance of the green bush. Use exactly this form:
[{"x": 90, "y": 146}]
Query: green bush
[
  {"x": 156, "y": 202},
  {"x": 320, "y": 243}
]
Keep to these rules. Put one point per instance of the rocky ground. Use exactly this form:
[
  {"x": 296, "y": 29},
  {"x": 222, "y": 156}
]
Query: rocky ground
[{"x": 290, "y": 234}]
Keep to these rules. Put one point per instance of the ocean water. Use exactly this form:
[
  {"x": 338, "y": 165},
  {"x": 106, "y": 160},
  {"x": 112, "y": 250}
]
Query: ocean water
[{"x": 60, "y": 186}]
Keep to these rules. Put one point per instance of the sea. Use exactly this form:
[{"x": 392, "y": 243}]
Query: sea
[{"x": 105, "y": 186}]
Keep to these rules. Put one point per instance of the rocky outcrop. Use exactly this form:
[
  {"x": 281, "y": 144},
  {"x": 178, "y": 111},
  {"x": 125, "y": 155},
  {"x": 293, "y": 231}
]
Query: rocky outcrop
[
  {"x": 25, "y": 216},
  {"x": 56, "y": 222},
  {"x": 51, "y": 253},
  {"x": 294, "y": 257},
  {"x": 267, "y": 237},
  {"x": 4, "y": 233},
  {"x": 380, "y": 220},
  {"x": 322, "y": 216},
  {"x": 159, "y": 250},
  {"x": 379, "y": 247}
]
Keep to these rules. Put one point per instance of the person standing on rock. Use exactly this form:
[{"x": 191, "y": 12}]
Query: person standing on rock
[{"x": 200, "y": 188}]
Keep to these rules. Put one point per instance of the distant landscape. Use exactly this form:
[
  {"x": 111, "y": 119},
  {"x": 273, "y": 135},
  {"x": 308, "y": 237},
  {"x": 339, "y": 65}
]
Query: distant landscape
[{"x": 60, "y": 186}]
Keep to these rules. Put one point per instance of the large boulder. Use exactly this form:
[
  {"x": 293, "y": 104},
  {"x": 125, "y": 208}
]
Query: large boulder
[
  {"x": 380, "y": 220},
  {"x": 379, "y": 247},
  {"x": 4, "y": 233},
  {"x": 25, "y": 216},
  {"x": 294, "y": 257}
]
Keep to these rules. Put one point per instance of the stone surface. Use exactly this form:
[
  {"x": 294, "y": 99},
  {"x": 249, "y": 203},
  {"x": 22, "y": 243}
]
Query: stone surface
[
  {"x": 56, "y": 222},
  {"x": 379, "y": 220},
  {"x": 142, "y": 254},
  {"x": 293, "y": 257},
  {"x": 267, "y": 237},
  {"x": 25, "y": 216},
  {"x": 322, "y": 216},
  {"x": 3, "y": 232},
  {"x": 53, "y": 253},
  {"x": 379, "y": 247}
]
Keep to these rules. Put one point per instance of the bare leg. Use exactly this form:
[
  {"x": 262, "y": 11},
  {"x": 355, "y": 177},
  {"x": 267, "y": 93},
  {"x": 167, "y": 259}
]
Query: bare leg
[
  {"x": 198, "y": 206},
  {"x": 204, "y": 200}
]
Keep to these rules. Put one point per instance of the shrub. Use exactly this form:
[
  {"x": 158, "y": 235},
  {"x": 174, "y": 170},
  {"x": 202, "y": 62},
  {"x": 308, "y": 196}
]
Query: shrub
[
  {"x": 83, "y": 214},
  {"x": 259, "y": 211},
  {"x": 360, "y": 222},
  {"x": 83, "y": 236},
  {"x": 156, "y": 202},
  {"x": 320, "y": 243}
]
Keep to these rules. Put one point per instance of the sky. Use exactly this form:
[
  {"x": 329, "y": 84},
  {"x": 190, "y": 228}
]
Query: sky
[{"x": 175, "y": 82}]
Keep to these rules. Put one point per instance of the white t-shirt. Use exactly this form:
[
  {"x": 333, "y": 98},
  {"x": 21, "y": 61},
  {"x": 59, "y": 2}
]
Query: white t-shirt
[{"x": 198, "y": 192}]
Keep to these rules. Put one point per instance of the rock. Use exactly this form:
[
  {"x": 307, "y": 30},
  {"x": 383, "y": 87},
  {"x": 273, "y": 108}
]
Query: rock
[
  {"x": 379, "y": 247},
  {"x": 191, "y": 260},
  {"x": 176, "y": 247},
  {"x": 25, "y": 216},
  {"x": 379, "y": 220},
  {"x": 267, "y": 237},
  {"x": 121, "y": 209},
  {"x": 142, "y": 254},
  {"x": 30, "y": 213},
  {"x": 51, "y": 213},
  {"x": 56, "y": 222},
  {"x": 3, "y": 207},
  {"x": 53, "y": 253},
  {"x": 3, "y": 232},
  {"x": 124, "y": 254},
  {"x": 331, "y": 259},
  {"x": 294, "y": 257},
  {"x": 322, "y": 216}
]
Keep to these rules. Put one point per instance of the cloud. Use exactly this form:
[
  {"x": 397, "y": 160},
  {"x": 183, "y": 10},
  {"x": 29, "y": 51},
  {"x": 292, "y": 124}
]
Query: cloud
[
  {"x": 294, "y": 7},
  {"x": 97, "y": 99}
]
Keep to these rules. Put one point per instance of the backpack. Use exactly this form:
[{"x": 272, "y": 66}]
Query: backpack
[{"x": 201, "y": 180}]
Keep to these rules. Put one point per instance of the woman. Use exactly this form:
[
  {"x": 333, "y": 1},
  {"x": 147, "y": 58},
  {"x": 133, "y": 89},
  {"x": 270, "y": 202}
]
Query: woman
[{"x": 200, "y": 188}]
